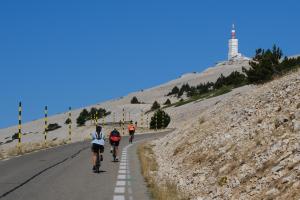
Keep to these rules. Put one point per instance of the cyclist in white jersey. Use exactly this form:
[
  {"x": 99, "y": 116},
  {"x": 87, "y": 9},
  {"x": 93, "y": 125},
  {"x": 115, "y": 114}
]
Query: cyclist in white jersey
[{"x": 98, "y": 142}]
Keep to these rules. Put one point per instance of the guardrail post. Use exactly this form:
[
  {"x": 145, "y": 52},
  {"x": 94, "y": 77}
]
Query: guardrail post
[
  {"x": 123, "y": 121},
  {"x": 70, "y": 124},
  {"x": 46, "y": 125},
  {"x": 20, "y": 125}
]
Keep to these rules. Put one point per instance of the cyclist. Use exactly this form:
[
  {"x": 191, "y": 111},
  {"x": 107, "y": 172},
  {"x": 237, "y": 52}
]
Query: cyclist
[
  {"x": 114, "y": 139},
  {"x": 98, "y": 141},
  {"x": 131, "y": 130}
]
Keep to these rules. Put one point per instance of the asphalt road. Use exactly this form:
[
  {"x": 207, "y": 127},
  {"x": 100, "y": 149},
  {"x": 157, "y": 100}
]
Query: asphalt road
[{"x": 65, "y": 173}]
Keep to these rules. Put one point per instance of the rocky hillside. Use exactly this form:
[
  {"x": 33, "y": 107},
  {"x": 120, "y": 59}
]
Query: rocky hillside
[
  {"x": 33, "y": 131},
  {"x": 244, "y": 146}
]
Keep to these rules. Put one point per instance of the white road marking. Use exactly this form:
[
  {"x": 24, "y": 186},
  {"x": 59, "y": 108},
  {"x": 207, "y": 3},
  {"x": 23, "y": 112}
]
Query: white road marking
[
  {"x": 121, "y": 177},
  {"x": 122, "y": 174},
  {"x": 122, "y": 167},
  {"x": 119, "y": 190},
  {"x": 119, "y": 197},
  {"x": 122, "y": 171},
  {"x": 121, "y": 183}
]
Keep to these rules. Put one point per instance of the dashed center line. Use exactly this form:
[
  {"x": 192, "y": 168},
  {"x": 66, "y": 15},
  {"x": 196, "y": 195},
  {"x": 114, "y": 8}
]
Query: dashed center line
[{"x": 123, "y": 178}]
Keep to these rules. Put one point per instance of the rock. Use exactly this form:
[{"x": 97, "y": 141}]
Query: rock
[
  {"x": 277, "y": 168},
  {"x": 296, "y": 126},
  {"x": 297, "y": 115},
  {"x": 272, "y": 192}
]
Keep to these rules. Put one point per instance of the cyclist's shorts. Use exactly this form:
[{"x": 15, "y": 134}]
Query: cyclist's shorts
[
  {"x": 97, "y": 148},
  {"x": 131, "y": 132},
  {"x": 114, "y": 143}
]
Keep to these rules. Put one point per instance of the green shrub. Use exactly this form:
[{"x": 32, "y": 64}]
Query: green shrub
[
  {"x": 93, "y": 112},
  {"x": 268, "y": 63},
  {"x": 83, "y": 117},
  {"x": 160, "y": 119},
  {"x": 81, "y": 120}
]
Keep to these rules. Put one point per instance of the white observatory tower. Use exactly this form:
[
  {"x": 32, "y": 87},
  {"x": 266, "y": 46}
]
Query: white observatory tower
[{"x": 233, "y": 51}]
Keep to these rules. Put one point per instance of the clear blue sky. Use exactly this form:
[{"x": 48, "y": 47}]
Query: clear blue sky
[{"x": 75, "y": 53}]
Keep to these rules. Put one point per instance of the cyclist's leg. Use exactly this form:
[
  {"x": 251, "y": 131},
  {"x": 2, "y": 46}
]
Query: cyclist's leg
[
  {"x": 117, "y": 150},
  {"x": 101, "y": 150},
  {"x": 94, "y": 155}
]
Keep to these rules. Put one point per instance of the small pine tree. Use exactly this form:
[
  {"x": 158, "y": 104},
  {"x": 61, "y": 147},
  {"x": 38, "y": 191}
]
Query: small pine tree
[
  {"x": 135, "y": 100},
  {"x": 93, "y": 112},
  {"x": 85, "y": 114},
  {"x": 175, "y": 90},
  {"x": 155, "y": 106},
  {"x": 68, "y": 121},
  {"x": 83, "y": 117},
  {"x": 160, "y": 119},
  {"x": 168, "y": 102},
  {"x": 81, "y": 120}
]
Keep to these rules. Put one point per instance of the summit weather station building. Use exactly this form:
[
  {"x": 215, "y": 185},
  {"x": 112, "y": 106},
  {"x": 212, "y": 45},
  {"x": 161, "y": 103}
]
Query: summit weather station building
[{"x": 233, "y": 46}]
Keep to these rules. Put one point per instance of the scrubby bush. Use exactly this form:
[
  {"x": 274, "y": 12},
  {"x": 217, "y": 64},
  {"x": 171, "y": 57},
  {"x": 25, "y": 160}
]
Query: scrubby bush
[
  {"x": 83, "y": 117},
  {"x": 235, "y": 79},
  {"x": 155, "y": 105},
  {"x": 52, "y": 127},
  {"x": 68, "y": 121},
  {"x": 174, "y": 91},
  {"x": 160, "y": 119},
  {"x": 168, "y": 102},
  {"x": 103, "y": 113},
  {"x": 81, "y": 120},
  {"x": 269, "y": 63},
  {"x": 93, "y": 112},
  {"x": 184, "y": 88},
  {"x": 134, "y": 100}
]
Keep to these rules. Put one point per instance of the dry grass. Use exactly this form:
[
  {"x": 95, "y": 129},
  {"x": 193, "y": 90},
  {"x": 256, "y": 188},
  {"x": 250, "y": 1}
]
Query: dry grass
[
  {"x": 2, "y": 154},
  {"x": 149, "y": 167},
  {"x": 32, "y": 147}
]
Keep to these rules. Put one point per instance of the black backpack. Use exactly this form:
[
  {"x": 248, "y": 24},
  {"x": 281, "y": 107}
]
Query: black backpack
[{"x": 98, "y": 136}]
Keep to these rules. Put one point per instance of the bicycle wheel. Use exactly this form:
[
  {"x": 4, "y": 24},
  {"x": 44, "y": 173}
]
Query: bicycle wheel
[
  {"x": 98, "y": 163},
  {"x": 114, "y": 153}
]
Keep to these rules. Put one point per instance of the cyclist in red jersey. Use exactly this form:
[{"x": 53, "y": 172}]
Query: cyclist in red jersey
[{"x": 114, "y": 139}]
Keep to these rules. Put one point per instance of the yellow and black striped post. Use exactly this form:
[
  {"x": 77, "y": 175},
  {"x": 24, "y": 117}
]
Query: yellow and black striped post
[
  {"x": 46, "y": 124},
  {"x": 103, "y": 120},
  {"x": 156, "y": 122},
  {"x": 123, "y": 121},
  {"x": 20, "y": 125},
  {"x": 70, "y": 124},
  {"x": 148, "y": 125},
  {"x": 96, "y": 117},
  {"x": 142, "y": 118},
  {"x": 162, "y": 120}
]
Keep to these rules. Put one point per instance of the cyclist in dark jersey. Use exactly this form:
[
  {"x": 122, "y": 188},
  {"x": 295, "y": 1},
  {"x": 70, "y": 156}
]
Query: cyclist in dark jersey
[{"x": 114, "y": 139}]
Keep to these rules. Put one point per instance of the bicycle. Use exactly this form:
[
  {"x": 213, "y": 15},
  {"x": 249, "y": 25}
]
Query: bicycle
[
  {"x": 98, "y": 164},
  {"x": 114, "y": 153},
  {"x": 131, "y": 137}
]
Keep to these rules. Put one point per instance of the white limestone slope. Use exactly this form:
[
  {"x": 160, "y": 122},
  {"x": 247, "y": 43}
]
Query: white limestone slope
[
  {"x": 34, "y": 130},
  {"x": 241, "y": 145}
]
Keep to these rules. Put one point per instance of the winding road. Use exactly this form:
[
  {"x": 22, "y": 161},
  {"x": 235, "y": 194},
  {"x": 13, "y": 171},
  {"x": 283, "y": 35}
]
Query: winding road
[{"x": 65, "y": 172}]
